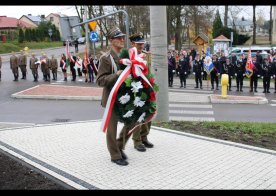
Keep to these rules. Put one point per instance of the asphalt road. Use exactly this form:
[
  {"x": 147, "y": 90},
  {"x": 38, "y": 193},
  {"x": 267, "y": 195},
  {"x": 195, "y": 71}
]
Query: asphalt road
[{"x": 53, "y": 111}]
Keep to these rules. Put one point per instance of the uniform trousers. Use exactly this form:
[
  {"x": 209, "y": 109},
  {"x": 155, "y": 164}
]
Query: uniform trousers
[{"x": 115, "y": 145}]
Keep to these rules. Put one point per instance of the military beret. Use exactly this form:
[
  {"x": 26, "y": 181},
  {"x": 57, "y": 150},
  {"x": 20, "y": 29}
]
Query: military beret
[
  {"x": 115, "y": 32},
  {"x": 137, "y": 38}
]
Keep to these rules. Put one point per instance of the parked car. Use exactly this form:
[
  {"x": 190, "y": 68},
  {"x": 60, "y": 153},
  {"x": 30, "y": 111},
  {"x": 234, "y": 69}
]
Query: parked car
[{"x": 81, "y": 40}]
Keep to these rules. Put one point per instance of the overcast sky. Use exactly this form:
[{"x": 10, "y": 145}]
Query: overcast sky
[{"x": 18, "y": 11}]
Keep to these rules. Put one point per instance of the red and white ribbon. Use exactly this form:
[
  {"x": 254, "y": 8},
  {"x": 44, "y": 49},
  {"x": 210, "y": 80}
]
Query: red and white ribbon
[{"x": 136, "y": 67}]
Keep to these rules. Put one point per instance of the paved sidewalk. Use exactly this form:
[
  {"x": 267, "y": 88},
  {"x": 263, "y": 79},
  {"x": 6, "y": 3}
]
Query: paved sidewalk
[
  {"x": 56, "y": 91},
  {"x": 46, "y": 91},
  {"x": 76, "y": 153}
]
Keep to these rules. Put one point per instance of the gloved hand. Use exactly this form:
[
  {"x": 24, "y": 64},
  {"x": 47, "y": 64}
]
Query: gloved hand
[
  {"x": 262, "y": 77},
  {"x": 271, "y": 77},
  {"x": 231, "y": 77},
  {"x": 243, "y": 74},
  {"x": 193, "y": 73},
  {"x": 258, "y": 76},
  {"x": 173, "y": 71},
  {"x": 218, "y": 74},
  {"x": 235, "y": 74},
  {"x": 202, "y": 73},
  {"x": 185, "y": 72}
]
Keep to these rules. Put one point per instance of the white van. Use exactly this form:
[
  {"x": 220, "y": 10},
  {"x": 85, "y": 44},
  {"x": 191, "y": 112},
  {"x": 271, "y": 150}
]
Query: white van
[{"x": 254, "y": 49}]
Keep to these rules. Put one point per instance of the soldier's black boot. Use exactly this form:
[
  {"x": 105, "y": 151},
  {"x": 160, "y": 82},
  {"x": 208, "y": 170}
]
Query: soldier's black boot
[
  {"x": 237, "y": 89},
  {"x": 49, "y": 76},
  {"x": 212, "y": 87},
  {"x": 255, "y": 90}
]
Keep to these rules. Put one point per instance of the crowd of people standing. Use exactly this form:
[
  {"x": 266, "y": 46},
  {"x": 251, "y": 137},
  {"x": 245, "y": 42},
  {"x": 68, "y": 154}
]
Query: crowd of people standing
[
  {"x": 185, "y": 62},
  {"x": 72, "y": 64}
]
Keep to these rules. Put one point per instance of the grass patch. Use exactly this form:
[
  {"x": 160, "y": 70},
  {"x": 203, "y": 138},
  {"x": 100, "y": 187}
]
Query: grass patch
[
  {"x": 8, "y": 47},
  {"x": 251, "y": 133}
]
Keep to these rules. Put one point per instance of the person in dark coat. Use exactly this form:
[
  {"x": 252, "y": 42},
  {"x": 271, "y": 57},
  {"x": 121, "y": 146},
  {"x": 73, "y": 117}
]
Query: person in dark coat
[
  {"x": 240, "y": 73},
  {"x": 228, "y": 68},
  {"x": 198, "y": 71},
  {"x": 267, "y": 73},
  {"x": 215, "y": 73},
  {"x": 171, "y": 68},
  {"x": 184, "y": 67},
  {"x": 255, "y": 75}
]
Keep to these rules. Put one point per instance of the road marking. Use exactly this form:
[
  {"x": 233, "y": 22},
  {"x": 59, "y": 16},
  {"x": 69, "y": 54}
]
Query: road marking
[
  {"x": 190, "y": 91},
  {"x": 191, "y": 112},
  {"x": 180, "y": 118},
  {"x": 273, "y": 100},
  {"x": 181, "y": 105},
  {"x": 273, "y": 105}
]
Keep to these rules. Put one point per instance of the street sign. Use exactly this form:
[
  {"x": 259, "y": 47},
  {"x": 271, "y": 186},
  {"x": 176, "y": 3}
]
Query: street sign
[
  {"x": 93, "y": 36},
  {"x": 93, "y": 25}
]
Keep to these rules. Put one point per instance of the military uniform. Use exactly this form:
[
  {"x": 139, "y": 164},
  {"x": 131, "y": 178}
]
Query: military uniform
[
  {"x": 42, "y": 66},
  {"x": 22, "y": 62},
  {"x": 229, "y": 70},
  {"x": 54, "y": 67},
  {"x": 107, "y": 76},
  {"x": 34, "y": 67},
  {"x": 198, "y": 71},
  {"x": 14, "y": 66},
  {"x": 139, "y": 137},
  {"x": 46, "y": 66},
  {"x": 240, "y": 73},
  {"x": 267, "y": 72}
]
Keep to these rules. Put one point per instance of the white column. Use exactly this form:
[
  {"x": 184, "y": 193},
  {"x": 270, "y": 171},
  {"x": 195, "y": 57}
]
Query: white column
[
  {"x": 274, "y": 25},
  {"x": 158, "y": 41}
]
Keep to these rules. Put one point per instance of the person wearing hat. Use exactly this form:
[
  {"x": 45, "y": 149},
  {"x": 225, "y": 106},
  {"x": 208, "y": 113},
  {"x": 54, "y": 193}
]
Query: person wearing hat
[
  {"x": 22, "y": 62},
  {"x": 228, "y": 68},
  {"x": 240, "y": 73},
  {"x": 14, "y": 65},
  {"x": 267, "y": 73},
  {"x": 198, "y": 70},
  {"x": 34, "y": 66},
  {"x": 46, "y": 64},
  {"x": 184, "y": 66},
  {"x": 42, "y": 65},
  {"x": 256, "y": 74},
  {"x": 139, "y": 137},
  {"x": 215, "y": 72},
  {"x": 108, "y": 73},
  {"x": 171, "y": 67},
  {"x": 54, "y": 66}
]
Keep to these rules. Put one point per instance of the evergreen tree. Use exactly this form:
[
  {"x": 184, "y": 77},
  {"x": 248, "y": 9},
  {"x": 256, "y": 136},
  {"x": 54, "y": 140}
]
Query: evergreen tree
[
  {"x": 217, "y": 25},
  {"x": 28, "y": 35},
  {"x": 21, "y": 36}
]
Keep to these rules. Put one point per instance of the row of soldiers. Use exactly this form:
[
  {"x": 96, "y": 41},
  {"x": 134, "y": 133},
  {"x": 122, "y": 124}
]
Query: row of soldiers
[
  {"x": 44, "y": 62},
  {"x": 233, "y": 67}
]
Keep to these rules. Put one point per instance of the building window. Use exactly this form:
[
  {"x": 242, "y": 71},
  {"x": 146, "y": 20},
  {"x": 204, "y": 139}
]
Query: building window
[{"x": 51, "y": 19}]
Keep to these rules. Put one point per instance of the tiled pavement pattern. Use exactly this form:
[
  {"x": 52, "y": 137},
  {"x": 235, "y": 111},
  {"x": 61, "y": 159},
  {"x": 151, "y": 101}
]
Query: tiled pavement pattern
[{"x": 77, "y": 154}]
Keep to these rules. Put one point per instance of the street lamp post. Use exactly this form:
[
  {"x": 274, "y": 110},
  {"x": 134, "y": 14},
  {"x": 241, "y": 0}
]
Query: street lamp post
[{"x": 50, "y": 31}]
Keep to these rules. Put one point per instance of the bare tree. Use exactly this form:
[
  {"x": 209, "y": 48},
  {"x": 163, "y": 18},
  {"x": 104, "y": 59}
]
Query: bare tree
[
  {"x": 254, "y": 24},
  {"x": 225, "y": 16}
]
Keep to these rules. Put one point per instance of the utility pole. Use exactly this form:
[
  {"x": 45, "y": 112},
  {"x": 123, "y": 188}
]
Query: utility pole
[
  {"x": 159, "y": 45},
  {"x": 87, "y": 30},
  {"x": 274, "y": 26}
]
